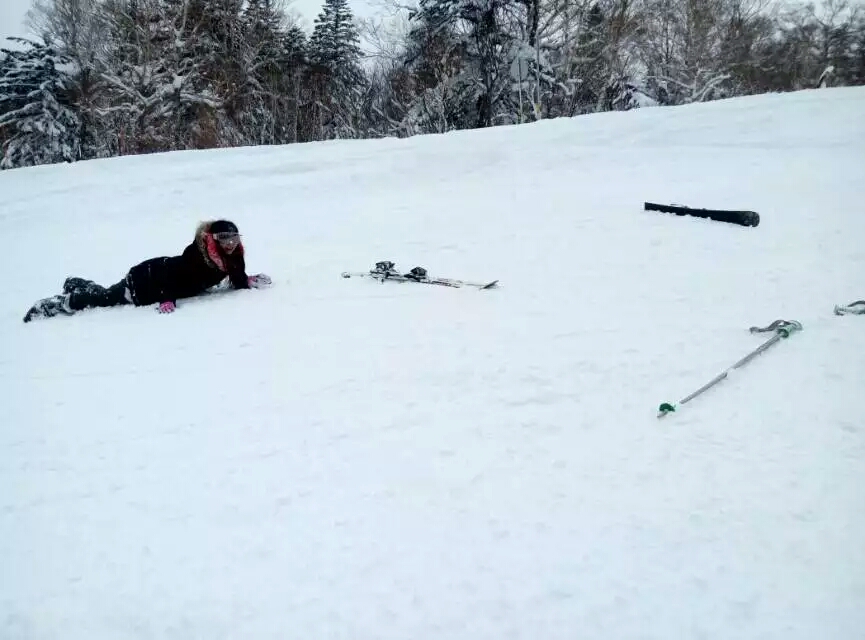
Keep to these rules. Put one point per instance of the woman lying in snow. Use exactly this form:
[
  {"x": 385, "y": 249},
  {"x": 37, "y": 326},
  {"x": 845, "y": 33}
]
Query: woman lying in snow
[{"x": 216, "y": 252}]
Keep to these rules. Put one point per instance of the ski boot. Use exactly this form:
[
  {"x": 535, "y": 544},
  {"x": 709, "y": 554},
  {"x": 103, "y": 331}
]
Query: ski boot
[
  {"x": 50, "y": 307},
  {"x": 74, "y": 285}
]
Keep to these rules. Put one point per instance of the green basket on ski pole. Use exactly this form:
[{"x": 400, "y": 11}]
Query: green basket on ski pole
[{"x": 781, "y": 328}]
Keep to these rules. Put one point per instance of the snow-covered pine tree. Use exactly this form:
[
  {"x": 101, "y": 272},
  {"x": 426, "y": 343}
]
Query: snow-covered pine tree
[
  {"x": 581, "y": 58},
  {"x": 214, "y": 38},
  {"x": 857, "y": 55},
  {"x": 334, "y": 49},
  {"x": 4, "y": 135},
  {"x": 37, "y": 123},
  {"x": 269, "y": 76},
  {"x": 441, "y": 100},
  {"x": 293, "y": 65},
  {"x": 486, "y": 43},
  {"x": 681, "y": 46},
  {"x": 156, "y": 93},
  {"x": 79, "y": 31}
]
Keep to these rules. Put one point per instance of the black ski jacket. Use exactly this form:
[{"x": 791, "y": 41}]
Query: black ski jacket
[{"x": 171, "y": 278}]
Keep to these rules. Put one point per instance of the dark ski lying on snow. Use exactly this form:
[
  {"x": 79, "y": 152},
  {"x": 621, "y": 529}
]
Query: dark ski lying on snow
[{"x": 385, "y": 271}]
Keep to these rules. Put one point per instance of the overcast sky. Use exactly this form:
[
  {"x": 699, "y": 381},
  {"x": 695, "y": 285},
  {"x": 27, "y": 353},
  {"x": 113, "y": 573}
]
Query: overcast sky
[
  {"x": 13, "y": 12},
  {"x": 11, "y": 18}
]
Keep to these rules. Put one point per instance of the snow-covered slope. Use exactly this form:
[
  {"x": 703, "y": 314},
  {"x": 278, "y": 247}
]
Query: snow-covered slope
[{"x": 337, "y": 458}]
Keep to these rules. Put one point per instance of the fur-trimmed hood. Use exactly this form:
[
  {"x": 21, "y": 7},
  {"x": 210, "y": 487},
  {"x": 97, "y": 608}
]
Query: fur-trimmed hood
[{"x": 213, "y": 256}]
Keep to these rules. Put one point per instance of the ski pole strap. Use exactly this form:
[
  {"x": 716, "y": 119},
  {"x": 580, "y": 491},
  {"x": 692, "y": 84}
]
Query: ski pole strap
[
  {"x": 857, "y": 307},
  {"x": 783, "y": 327}
]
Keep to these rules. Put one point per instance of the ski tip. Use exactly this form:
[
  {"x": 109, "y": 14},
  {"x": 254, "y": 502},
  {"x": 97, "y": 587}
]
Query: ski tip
[{"x": 490, "y": 285}]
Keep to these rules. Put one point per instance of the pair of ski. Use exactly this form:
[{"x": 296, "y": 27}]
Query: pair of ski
[{"x": 385, "y": 271}]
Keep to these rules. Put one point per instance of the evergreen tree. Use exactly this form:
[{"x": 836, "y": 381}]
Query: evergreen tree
[
  {"x": 293, "y": 63},
  {"x": 78, "y": 30},
  {"x": 135, "y": 76},
  {"x": 156, "y": 89},
  {"x": 334, "y": 50},
  {"x": 485, "y": 45},
  {"x": 37, "y": 123},
  {"x": 262, "y": 76},
  {"x": 441, "y": 100}
]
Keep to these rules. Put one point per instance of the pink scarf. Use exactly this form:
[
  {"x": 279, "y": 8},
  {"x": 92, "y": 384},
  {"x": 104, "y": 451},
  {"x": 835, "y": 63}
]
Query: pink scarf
[{"x": 213, "y": 252}]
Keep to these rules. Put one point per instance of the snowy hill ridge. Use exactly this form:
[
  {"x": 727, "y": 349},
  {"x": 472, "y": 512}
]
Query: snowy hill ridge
[{"x": 339, "y": 458}]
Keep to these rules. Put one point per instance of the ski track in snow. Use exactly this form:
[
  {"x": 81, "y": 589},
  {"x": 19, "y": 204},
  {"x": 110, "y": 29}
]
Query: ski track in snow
[{"x": 338, "y": 458}]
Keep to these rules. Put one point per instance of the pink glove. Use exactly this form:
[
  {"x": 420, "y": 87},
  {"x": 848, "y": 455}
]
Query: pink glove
[
  {"x": 259, "y": 280},
  {"x": 166, "y": 307}
]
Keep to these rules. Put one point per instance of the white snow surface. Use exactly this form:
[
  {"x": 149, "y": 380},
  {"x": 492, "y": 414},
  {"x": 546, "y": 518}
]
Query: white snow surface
[{"x": 342, "y": 459}]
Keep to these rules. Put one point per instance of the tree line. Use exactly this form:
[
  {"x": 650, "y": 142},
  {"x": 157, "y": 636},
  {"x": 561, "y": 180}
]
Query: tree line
[{"x": 116, "y": 77}]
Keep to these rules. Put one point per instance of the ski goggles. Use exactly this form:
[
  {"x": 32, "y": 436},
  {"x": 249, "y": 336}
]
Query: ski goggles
[{"x": 228, "y": 239}]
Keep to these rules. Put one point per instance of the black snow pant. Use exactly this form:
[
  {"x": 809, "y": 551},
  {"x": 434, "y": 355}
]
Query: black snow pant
[{"x": 86, "y": 293}]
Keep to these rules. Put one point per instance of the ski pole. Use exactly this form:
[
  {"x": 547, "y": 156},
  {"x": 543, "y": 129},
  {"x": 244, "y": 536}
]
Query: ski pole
[{"x": 782, "y": 329}]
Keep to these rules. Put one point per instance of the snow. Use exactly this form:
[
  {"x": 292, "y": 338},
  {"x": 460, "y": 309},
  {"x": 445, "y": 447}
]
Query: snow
[{"x": 339, "y": 458}]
